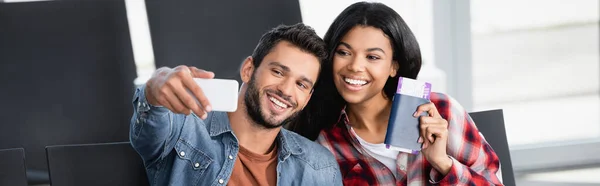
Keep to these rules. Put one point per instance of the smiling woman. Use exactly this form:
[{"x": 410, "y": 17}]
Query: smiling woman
[
  {"x": 361, "y": 62},
  {"x": 370, "y": 47}
]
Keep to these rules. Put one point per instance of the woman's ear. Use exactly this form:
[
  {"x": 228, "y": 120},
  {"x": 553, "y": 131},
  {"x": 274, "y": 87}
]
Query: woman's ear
[
  {"x": 247, "y": 69},
  {"x": 394, "y": 70}
]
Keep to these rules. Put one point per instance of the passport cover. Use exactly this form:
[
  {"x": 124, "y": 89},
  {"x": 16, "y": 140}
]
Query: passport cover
[{"x": 403, "y": 129}]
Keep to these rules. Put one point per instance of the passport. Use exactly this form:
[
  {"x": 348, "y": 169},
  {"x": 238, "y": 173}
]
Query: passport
[{"x": 403, "y": 129}]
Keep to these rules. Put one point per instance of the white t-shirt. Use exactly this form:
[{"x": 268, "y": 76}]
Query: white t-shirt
[{"x": 380, "y": 152}]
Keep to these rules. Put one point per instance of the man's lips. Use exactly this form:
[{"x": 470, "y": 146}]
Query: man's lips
[{"x": 279, "y": 100}]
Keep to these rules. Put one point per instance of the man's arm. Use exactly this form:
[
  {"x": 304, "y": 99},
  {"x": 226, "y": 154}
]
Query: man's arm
[
  {"x": 153, "y": 128},
  {"x": 473, "y": 159},
  {"x": 160, "y": 108}
]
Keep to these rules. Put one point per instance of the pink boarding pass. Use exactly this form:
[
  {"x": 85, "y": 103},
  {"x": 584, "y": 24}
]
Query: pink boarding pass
[{"x": 412, "y": 87}]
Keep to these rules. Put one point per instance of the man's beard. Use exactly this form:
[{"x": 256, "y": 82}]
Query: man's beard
[{"x": 253, "y": 107}]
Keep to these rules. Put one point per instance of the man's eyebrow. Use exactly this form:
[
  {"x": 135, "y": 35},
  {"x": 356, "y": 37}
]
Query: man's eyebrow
[
  {"x": 304, "y": 78},
  {"x": 277, "y": 64},
  {"x": 287, "y": 69}
]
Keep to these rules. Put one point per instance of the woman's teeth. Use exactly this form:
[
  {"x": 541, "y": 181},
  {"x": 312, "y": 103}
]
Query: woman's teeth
[
  {"x": 355, "y": 81},
  {"x": 277, "y": 102}
]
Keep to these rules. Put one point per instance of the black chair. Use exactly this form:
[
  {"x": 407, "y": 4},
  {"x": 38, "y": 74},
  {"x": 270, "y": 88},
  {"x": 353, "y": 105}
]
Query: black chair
[
  {"x": 491, "y": 125},
  {"x": 66, "y": 72},
  {"x": 12, "y": 167},
  {"x": 95, "y": 164},
  {"x": 214, "y": 35}
]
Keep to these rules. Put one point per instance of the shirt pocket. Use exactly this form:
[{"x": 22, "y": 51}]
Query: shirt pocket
[
  {"x": 322, "y": 177},
  {"x": 193, "y": 161}
]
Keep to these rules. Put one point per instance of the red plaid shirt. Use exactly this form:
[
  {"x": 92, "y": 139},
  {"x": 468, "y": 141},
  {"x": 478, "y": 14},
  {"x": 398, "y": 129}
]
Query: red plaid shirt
[{"x": 474, "y": 161}]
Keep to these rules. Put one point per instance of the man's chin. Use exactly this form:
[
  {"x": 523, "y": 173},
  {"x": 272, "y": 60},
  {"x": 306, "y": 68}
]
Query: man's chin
[
  {"x": 270, "y": 125},
  {"x": 273, "y": 122}
]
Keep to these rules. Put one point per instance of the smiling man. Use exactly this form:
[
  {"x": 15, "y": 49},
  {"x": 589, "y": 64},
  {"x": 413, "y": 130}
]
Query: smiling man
[{"x": 184, "y": 143}]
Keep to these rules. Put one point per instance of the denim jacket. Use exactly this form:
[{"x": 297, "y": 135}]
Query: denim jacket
[{"x": 185, "y": 150}]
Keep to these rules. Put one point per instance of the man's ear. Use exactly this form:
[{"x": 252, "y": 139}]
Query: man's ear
[
  {"x": 394, "y": 70},
  {"x": 247, "y": 69}
]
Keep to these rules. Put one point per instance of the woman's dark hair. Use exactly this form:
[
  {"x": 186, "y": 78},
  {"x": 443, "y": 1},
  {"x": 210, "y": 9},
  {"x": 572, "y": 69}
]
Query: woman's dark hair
[{"x": 323, "y": 110}]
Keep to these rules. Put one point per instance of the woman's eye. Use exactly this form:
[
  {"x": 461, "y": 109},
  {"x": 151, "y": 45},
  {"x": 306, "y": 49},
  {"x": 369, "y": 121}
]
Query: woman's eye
[
  {"x": 372, "y": 57},
  {"x": 341, "y": 52}
]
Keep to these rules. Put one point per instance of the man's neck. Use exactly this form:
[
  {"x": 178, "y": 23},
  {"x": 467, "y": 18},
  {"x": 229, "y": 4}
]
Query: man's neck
[
  {"x": 250, "y": 135},
  {"x": 370, "y": 116}
]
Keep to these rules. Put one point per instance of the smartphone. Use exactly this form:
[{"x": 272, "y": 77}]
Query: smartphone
[{"x": 221, "y": 93}]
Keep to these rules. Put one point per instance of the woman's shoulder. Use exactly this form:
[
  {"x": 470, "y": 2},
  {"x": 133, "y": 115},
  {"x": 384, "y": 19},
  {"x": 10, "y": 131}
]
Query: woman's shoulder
[
  {"x": 440, "y": 97},
  {"x": 447, "y": 106},
  {"x": 443, "y": 100}
]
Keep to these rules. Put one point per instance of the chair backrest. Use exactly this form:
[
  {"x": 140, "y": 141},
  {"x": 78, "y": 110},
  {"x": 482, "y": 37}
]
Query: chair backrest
[
  {"x": 214, "y": 35},
  {"x": 66, "y": 72},
  {"x": 491, "y": 124},
  {"x": 12, "y": 167},
  {"x": 95, "y": 164}
]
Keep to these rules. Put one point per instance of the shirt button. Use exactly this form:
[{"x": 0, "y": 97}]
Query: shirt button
[
  {"x": 182, "y": 153},
  {"x": 197, "y": 165},
  {"x": 221, "y": 181},
  {"x": 230, "y": 157},
  {"x": 402, "y": 167}
]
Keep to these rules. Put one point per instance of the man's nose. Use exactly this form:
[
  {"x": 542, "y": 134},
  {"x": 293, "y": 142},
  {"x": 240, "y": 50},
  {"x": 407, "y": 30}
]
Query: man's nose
[{"x": 287, "y": 87}]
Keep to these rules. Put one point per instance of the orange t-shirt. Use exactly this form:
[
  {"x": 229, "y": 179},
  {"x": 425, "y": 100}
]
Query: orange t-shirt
[{"x": 254, "y": 169}]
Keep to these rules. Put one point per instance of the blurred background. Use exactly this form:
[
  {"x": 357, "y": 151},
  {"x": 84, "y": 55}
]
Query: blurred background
[{"x": 69, "y": 68}]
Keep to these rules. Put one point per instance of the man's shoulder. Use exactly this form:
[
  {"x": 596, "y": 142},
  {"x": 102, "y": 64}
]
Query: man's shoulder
[
  {"x": 194, "y": 127},
  {"x": 313, "y": 153},
  {"x": 211, "y": 117},
  {"x": 307, "y": 144}
]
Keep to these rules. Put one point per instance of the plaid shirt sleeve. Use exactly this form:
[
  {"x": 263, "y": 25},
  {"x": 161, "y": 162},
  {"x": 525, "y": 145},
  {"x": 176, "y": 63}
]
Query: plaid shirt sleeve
[{"x": 474, "y": 160}]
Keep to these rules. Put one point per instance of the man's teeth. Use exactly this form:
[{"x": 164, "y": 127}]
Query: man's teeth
[
  {"x": 277, "y": 102},
  {"x": 355, "y": 81}
]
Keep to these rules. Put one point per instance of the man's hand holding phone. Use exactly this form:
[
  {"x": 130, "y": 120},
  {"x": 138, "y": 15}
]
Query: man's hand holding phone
[{"x": 169, "y": 88}]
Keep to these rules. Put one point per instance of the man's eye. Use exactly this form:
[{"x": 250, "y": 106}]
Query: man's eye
[
  {"x": 277, "y": 72},
  {"x": 302, "y": 85}
]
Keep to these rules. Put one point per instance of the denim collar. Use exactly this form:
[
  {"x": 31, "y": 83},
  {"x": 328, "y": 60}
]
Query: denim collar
[{"x": 218, "y": 123}]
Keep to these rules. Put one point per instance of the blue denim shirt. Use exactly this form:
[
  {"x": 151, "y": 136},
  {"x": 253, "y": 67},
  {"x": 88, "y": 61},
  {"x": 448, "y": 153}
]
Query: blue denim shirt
[{"x": 186, "y": 150}]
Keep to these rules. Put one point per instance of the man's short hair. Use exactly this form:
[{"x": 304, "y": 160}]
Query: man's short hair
[{"x": 299, "y": 35}]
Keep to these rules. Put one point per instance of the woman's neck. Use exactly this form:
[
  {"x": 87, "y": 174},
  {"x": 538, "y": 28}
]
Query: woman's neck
[{"x": 370, "y": 118}]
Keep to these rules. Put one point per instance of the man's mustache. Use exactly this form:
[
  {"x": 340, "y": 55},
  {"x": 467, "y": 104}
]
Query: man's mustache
[{"x": 283, "y": 96}]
